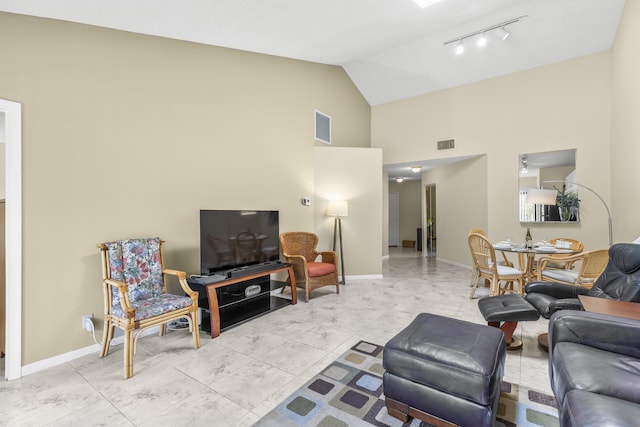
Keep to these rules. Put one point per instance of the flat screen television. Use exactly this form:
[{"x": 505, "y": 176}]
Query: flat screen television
[{"x": 236, "y": 238}]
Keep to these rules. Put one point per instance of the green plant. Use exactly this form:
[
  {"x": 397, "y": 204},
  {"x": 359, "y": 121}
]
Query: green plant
[
  {"x": 567, "y": 199},
  {"x": 568, "y": 202}
]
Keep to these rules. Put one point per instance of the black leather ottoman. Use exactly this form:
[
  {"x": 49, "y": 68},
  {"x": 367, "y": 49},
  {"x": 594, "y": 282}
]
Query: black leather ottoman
[
  {"x": 444, "y": 371},
  {"x": 504, "y": 312}
]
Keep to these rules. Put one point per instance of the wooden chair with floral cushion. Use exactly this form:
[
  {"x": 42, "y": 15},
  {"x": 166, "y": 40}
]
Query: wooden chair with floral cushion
[
  {"x": 135, "y": 294},
  {"x": 300, "y": 249}
]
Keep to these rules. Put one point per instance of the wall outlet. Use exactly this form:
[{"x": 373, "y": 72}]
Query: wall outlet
[
  {"x": 87, "y": 322},
  {"x": 306, "y": 201}
]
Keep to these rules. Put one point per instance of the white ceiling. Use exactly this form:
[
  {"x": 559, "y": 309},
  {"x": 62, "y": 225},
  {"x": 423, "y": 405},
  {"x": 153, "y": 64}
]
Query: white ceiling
[
  {"x": 403, "y": 170},
  {"x": 391, "y": 49}
]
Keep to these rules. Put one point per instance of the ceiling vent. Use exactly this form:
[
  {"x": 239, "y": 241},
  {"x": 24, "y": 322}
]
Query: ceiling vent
[
  {"x": 447, "y": 144},
  {"x": 323, "y": 127}
]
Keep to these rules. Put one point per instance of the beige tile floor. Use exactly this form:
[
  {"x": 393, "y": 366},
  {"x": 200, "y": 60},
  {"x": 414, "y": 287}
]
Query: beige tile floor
[{"x": 235, "y": 379}]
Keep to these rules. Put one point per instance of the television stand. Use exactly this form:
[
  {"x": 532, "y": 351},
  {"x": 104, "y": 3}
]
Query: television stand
[{"x": 258, "y": 292}]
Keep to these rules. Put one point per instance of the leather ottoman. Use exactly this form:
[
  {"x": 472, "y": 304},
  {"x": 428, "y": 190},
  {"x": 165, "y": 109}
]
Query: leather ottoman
[
  {"x": 444, "y": 371},
  {"x": 504, "y": 312}
]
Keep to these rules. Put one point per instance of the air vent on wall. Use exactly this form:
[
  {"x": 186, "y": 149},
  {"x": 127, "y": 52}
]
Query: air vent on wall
[
  {"x": 446, "y": 144},
  {"x": 323, "y": 127}
]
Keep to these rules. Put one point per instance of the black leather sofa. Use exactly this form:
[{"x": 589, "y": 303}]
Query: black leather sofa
[
  {"x": 594, "y": 365},
  {"x": 594, "y": 360}
]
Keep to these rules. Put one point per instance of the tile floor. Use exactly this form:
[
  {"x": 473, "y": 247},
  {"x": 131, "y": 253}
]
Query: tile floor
[{"x": 235, "y": 379}]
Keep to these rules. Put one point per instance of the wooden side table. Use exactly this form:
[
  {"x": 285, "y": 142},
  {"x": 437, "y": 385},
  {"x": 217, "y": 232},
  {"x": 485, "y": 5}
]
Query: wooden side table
[{"x": 629, "y": 310}]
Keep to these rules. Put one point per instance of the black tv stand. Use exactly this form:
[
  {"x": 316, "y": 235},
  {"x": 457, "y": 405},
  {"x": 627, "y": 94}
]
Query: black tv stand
[{"x": 245, "y": 297}]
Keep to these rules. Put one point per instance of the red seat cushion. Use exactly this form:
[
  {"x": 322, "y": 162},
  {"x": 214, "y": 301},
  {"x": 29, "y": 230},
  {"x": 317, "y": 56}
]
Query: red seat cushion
[{"x": 320, "y": 268}]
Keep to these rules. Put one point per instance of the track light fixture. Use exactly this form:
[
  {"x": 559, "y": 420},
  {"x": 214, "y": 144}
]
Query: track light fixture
[
  {"x": 499, "y": 30},
  {"x": 482, "y": 40},
  {"x": 524, "y": 164},
  {"x": 501, "y": 33},
  {"x": 426, "y": 3}
]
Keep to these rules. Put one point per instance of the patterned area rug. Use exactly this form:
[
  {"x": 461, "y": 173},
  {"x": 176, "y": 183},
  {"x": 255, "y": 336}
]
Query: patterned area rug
[{"x": 349, "y": 393}]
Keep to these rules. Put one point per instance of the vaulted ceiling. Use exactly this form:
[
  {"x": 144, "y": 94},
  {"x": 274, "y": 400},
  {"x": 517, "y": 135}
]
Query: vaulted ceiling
[{"x": 391, "y": 49}]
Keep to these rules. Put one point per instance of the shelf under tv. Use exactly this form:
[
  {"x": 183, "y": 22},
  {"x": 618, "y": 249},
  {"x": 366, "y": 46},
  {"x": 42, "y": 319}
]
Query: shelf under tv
[{"x": 238, "y": 299}]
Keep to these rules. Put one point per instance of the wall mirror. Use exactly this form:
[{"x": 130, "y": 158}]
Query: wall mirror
[{"x": 534, "y": 172}]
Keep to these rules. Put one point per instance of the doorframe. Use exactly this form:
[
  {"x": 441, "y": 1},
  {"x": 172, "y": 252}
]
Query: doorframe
[
  {"x": 13, "y": 237},
  {"x": 395, "y": 205},
  {"x": 428, "y": 207}
]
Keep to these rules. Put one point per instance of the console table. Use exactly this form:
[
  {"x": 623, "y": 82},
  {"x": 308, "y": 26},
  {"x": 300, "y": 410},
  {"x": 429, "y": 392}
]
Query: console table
[{"x": 214, "y": 307}]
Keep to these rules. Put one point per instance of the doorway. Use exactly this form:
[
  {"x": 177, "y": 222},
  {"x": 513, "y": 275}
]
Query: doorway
[
  {"x": 12, "y": 138},
  {"x": 430, "y": 221},
  {"x": 394, "y": 219}
]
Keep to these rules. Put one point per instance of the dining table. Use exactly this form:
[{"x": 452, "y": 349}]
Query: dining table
[{"x": 527, "y": 255}]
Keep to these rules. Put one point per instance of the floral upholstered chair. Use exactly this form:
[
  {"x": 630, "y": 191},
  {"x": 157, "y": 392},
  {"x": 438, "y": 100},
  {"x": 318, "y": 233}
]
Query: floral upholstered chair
[{"x": 135, "y": 294}]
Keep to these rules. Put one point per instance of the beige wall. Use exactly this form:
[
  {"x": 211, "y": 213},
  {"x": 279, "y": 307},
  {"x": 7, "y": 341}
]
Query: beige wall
[
  {"x": 461, "y": 193},
  {"x": 410, "y": 207},
  {"x": 127, "y": 135},
  {"x": 625, "y": 127},
  {"x": 351, "y": 174},
  {"x": 554, "y": 174},
  {"x": 560, "y": 106},
  {"x": 385, "y": 213}
]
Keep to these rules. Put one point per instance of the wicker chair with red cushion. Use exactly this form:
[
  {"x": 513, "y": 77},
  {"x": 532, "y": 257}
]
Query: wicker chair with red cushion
[{"x": 300, "y": 249}]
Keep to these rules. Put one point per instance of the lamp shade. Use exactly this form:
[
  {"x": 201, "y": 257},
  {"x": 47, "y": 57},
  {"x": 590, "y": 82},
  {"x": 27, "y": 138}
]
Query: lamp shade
[
  {"x": 338, "y": 208},
  {"x": 540, "y": 196}
]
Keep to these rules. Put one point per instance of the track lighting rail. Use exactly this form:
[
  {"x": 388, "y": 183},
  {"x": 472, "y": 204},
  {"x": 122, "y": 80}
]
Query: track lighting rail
[{"x": 484, "y": 30}]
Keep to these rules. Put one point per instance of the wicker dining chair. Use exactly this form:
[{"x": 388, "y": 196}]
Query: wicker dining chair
[
  {"x": 135, "y": 294},
  {"x": 300, "y": 249},
  {"x": 502, "y": 278},
  {"x": 576, "y": 247},
  {"x": 587, "y": 267},
  {"x": 504, "y": 260},
  {"x": 475, "y": 273}
]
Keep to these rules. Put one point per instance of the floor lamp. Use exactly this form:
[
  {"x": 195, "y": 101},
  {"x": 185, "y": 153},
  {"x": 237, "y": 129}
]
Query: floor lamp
[
  {"x": 586, "y": 188},
  {"x": 338, "y": 209}
]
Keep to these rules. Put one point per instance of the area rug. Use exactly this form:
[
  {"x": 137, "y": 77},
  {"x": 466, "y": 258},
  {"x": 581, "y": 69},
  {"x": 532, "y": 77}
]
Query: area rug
[{"x": 349, "y": 393}]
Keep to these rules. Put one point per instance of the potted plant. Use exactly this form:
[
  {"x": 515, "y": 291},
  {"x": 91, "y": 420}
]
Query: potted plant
[{"x": 568, "y": 204}]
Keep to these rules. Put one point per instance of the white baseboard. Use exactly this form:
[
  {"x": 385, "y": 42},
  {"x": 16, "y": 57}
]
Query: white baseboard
[
  {"x": 457, "y": 264},
  {"x": 364, "y": 276},
  {"x": 41, "y": 365}
]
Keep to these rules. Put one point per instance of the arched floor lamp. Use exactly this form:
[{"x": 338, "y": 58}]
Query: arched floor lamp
[
  {"x": 338, "y": 209},
  {"x": 548, "y": 197}
]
